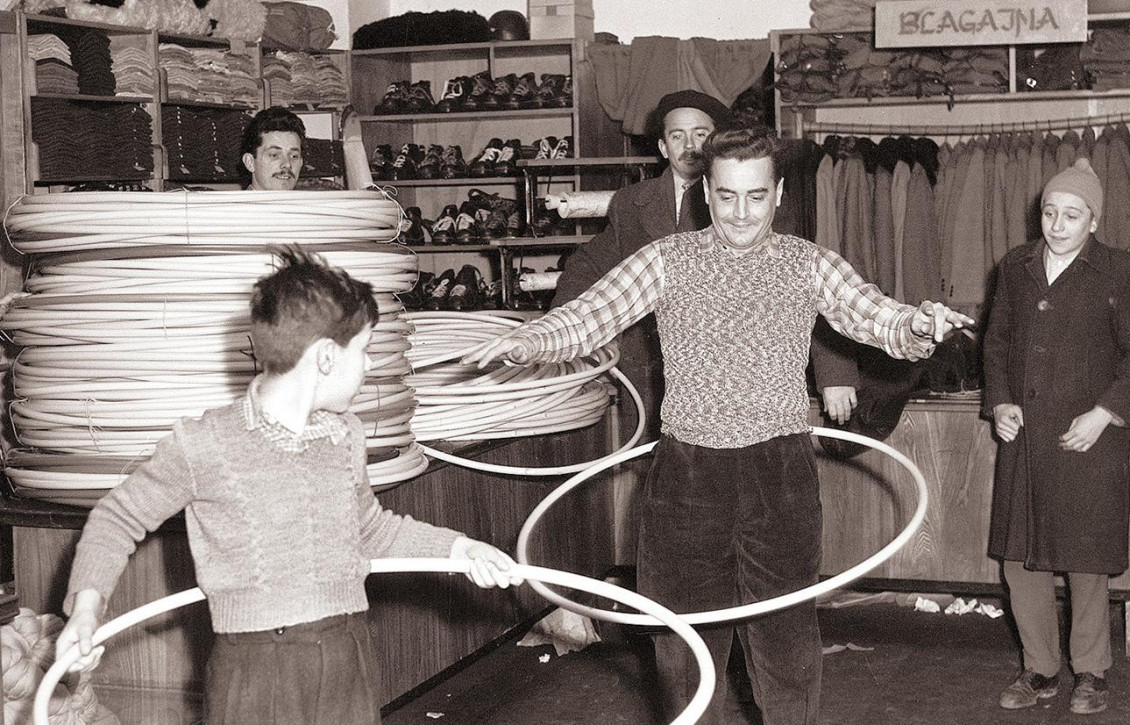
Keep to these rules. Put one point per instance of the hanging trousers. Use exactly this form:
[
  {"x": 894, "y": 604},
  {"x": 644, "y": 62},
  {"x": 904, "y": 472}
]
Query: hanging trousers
[
  {"x": 722, "y": 527},
  {"x": 1032, "y": 599}
]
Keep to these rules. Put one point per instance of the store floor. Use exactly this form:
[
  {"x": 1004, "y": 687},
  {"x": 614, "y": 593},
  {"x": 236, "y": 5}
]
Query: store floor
[{"x": 906, "y": 667}]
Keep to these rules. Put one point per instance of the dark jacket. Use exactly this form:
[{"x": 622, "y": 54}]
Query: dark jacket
[{"x": 1057, "y": 352}]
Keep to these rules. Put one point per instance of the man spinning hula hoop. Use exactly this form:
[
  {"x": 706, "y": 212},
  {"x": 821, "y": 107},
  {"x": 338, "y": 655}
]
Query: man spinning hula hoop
[{"x": 731, "y": 510}]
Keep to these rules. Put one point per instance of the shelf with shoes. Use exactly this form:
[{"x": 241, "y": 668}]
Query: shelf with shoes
[{"x": 446, "y": 127}]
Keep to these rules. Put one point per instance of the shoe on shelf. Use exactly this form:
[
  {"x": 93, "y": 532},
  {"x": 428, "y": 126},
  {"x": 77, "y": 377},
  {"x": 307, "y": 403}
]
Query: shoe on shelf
[
  {"x": 414, "y": 235},
  {"x": 452, "y": 165},
  {"x": 1028, "y": 689},
  {"x": 565, "y": 97},
  {"x": 545, "y": 147},
  {"x": 419, "y": 98},
  {"x": 430, "y": 165},
  {"x": 549, "y": 90},
  {"x": 1089, "y": 694},
  {"x": 482, "y": 87},
  {"x": 466, "y": 294},
  {"x": 380, "y": 163},
  {"x": 467, "y": 229},
  {"x": 500, "y": 96},
  {"x": 499, "y": 216},
  {"x": 437, "y": 300},
  {"x": 404, "y": 165},
  {"x": 525, "y": 93},
  {"x": 492, "y": 295},
  {"x": 417, "y": 297},
  {"x": 483, "y": 164},
  {"x": 455, "y": 93},
  {"x": 563, "y": 149},
  {"x": 395, "y": 98},
  {"x": 506, "y": 163},
  {"x": 443, "y": 228}
]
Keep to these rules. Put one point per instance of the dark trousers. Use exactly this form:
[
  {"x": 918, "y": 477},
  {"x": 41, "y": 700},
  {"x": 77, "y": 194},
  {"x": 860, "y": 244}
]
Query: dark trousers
[
  {"x": 722, "y": 527},
  {"x": 320, "y": 673}
]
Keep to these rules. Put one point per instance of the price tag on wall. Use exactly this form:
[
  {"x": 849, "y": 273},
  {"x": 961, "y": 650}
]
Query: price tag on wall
[{"x": 910, "y": 24}]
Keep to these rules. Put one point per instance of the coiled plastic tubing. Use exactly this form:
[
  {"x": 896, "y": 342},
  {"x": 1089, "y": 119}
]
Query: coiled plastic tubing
[{"x": 693, "y": 711}]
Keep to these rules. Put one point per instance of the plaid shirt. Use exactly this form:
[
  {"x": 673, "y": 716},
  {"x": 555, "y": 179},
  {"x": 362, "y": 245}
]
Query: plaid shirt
[
  {"x": 634, "y": 288},
  {"x": 322, "y": 423}
]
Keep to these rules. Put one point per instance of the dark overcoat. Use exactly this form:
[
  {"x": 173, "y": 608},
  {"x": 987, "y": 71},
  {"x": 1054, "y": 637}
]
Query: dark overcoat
[{"x": 1057, "y": 351}]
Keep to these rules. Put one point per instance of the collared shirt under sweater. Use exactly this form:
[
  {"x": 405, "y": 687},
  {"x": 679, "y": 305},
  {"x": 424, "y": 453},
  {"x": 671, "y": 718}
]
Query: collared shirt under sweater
[
  {"x": 281, "y": 525},
  {"x": 735, "y": 330}
]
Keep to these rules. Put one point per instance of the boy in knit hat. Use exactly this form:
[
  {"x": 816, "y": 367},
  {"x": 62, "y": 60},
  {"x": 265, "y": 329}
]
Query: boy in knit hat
[
  {"x": 1057, "y": 386},
  {"x": 280, "y": 517}
]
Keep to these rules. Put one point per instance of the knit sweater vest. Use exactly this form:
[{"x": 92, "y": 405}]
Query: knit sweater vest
[
  {"x": 277, "y": 537},
  {"x": 735, "y": 333}
]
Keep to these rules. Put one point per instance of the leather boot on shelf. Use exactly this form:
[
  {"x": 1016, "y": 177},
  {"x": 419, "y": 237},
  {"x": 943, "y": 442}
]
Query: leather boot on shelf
[
  {"x": 467, "y": 229},
  {"x": 466, "y": 294},
  {"x": 414, "y": 236},
  {"x": 563, "y": 149},
  {"x": 545, "y": 147},
  {"x": 565, "y": 97},
  {"x": 500, "y": 96},
  {"x": 437, "y": 300},
  {"x": 429, "y": 167},
  {"x": 549, "y": 92},
  {"x": 443, "y": 228},
  {"x": 506, "y": 163},
  {"x": 482, "y": 87},
  {"x": 404, "y": 165},
  {"x": 396, "y": 95},
  {"x": 483, "y": 164},
  {"x": 525, "y": 93},
  {"x": 417, "y": 297},
  {"x": 452, "y": 165},
  {"x": 380, "y": 163},
  {"x": 419, "y": 98},
  {"x": 455, "y": 93}
]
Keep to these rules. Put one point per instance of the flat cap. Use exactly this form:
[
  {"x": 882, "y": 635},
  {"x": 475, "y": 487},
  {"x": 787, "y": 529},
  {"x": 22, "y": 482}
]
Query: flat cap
[{"x": 709, "y": 105}]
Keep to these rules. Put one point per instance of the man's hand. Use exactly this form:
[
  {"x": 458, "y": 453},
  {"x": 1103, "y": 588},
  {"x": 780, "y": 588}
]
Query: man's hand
[
  {"x": 839, "y": 402},
  {"x": 1008, "y": 419},
  {"x": 80, "y": 629},
  {"x": 504, "y": 346},
  {"x": 490, "y": 567},
  {"x": 933, "y": 319},
  {"x": 1085, "y": 430}
]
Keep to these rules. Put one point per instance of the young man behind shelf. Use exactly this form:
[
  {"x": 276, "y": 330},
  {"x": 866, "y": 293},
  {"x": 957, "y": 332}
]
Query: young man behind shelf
[
  {"x": 280, "y": 516},
  {"x": 271, "y": 151}
]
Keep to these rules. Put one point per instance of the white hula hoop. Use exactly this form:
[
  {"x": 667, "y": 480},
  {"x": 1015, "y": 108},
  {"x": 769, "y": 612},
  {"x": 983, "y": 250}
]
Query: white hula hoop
[
  {"x": 746, "y": 610},
  {"x": 694, "y": 710}
]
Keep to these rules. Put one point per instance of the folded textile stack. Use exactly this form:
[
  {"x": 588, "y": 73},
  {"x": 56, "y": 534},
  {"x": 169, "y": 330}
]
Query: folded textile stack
[
  {"x": 203, "y": 143},
  {"x": 301, "y": 78},
  {"x": 53, "y": 70},
  {"x": 91, "y": 139},
  {"x": 90, "y": 57},
  {"x": 132, "y": 67},
  {"x": 1055, "y": 68},
  {"x": 276, "y": 71},
  {"x": 208, "y": 74},
  {"x": 842, "y": 14},
  {"x": 1106, "y": 59},
  {"x": 976, "y": 70},
  {"x": 331, "y": 81}
]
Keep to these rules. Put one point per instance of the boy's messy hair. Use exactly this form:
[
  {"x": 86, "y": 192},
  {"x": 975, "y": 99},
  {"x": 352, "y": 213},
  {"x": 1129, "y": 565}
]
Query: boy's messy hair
[{"x": 303, "y": 301}]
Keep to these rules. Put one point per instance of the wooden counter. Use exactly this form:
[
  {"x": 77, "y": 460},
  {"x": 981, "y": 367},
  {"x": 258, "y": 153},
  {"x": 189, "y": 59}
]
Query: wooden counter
[{"x": 422, "y": 623}]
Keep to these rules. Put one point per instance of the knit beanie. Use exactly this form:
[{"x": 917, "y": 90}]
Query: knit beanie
[{"x": 1078, "y": 179}]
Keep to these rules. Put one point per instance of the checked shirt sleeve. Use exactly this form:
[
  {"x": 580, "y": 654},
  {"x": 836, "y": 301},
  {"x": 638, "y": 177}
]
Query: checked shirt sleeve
[
  {"x": 627, "y": 293},
  {"x": 858, "y": 309}
]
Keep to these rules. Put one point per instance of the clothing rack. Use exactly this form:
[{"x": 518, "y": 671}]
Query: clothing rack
[{"x": 970, "y": 129}]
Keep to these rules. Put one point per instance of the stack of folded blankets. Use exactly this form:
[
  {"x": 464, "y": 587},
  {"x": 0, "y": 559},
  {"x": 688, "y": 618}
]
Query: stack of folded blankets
[
  {"x": 209, "y": 74},
  {"x": 132, "y": 67},
  {"x": 276, "y": 72},
  {"x": 90, "y": 56},
  {"x": 202, "y": 144},
  {"x": 54, "y": 73},
  {"x": 302, "y": 78},
  {"x": 91, "y": 139},
  {"x": 1106, "y": 59}
]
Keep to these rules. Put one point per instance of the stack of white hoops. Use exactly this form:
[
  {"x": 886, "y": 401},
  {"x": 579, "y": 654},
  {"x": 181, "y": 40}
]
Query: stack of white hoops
[{"x": 138, "y": 316}]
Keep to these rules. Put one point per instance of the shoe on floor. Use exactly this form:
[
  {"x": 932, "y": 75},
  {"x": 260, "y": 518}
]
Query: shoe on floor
[
  {"x": 1028, "y": 689},
  {"x": 1089, "y": 695}
]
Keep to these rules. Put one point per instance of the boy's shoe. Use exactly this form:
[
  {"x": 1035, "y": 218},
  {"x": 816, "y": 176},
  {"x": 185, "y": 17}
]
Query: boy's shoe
[
  {"x": 1028, "y": 689},
  {"x": 500, "y": 96},
  {"x": 419, "y": 98},
  {"x": 483, "y": 164},
  {"x": 443, "y": 228},
  {"x": 482, "y": 87},
  {"x": 508, "y": 155},
  {"x": 437, "y": 300},
  {"x": 467, "y": 230},
  {"x": 414, "y": 236},
  {"x": 1089, "y": 695},
  {"x": 429, "y": 167},
  {"x": 565, "y": 98},
  {"x": 453, "y": 166},
  {"x": 525, "y": 93},
  {"x": 380, "y": 164},
  {"x": 394, "y": 99},
  {"x": 420, "y": 292},
  {"x": 563, "y": 149},
  {"x": 546, "y": 147},
  {"x": 467, "y": 292},
  {"x": 455, "y": 93},
  {"x": 549, "y": 93},
  {"x": 404, "y": 165}
]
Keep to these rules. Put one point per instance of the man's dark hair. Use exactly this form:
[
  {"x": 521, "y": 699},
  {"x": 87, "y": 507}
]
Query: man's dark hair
[
  {"x": 303, "y": 301},
  {"x": 740, "y": 142},
  {"x": 275, "y": 118}
]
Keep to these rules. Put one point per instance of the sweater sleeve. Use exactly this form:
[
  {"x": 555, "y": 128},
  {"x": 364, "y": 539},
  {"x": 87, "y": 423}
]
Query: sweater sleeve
[
  {"x": 385, "y": 534},
  {"x": 157, "y": 490}
]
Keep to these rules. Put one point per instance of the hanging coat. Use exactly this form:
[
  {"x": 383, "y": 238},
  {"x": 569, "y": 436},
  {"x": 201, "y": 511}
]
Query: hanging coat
[{"x": 1057, "y": 352}]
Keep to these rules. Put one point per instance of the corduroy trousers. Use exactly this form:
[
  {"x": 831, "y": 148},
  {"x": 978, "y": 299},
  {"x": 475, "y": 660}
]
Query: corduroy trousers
[
  {"x": 320, "y": 673},
  {"x": 722, "y": 527}
]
